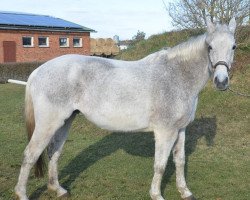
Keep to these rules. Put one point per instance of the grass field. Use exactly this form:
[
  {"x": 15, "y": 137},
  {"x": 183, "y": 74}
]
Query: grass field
[{"x": 100, "y": 165}]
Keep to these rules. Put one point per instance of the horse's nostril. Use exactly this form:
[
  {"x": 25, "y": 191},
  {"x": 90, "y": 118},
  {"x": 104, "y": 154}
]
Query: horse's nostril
[
  {"x": 225, "y": 82},
  {"x": 216, "y": 80}
]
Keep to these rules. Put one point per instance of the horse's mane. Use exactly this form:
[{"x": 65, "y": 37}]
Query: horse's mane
[
  {"x": 188, "y": 49},
  {"x": 184, "y": 51},
  {"x": 192, "y": 47}
]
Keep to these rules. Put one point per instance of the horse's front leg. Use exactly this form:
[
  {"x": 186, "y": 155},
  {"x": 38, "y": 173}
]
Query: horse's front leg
[
  {"x": 179, "y": 159},
  {"x": 164, "y": 141}
]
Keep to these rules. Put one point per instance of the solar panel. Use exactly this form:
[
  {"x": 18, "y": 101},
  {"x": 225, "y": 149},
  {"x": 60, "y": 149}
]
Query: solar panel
[{"x": 25, "y": 19}]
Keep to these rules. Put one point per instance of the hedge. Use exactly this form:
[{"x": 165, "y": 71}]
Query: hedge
[{"x": 18, "y": 71}]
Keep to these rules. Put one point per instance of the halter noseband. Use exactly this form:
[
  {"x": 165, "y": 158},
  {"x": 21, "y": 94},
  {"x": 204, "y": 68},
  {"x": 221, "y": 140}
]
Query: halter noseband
[{"x": 221, "y": 63}]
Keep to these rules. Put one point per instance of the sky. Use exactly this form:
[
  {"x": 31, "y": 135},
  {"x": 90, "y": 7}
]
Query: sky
[{"x": 108, "y": 17}]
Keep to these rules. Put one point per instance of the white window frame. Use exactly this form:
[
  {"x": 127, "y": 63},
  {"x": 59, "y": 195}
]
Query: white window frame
[
  {"x": 67, "y": 42},
  {"x": 32, "y": 41},
  {"x": 47, "y": 41},
  {"x": 80, "y": 42}
]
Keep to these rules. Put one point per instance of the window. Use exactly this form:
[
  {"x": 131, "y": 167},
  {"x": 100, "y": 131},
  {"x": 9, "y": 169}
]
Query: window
[
  {"x": 27, "y": 41},
  {"x": 43, "y": 41},
  {"x": 64, "y": 42},
  {"x": 77, "y": 42}
]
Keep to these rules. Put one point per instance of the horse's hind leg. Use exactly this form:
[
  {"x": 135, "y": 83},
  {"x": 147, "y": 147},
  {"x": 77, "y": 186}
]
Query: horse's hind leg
[
  {"x": 46, "y": 126},
  {"x": 179, "y": 159},
  {"x": 54, "y": 150}
]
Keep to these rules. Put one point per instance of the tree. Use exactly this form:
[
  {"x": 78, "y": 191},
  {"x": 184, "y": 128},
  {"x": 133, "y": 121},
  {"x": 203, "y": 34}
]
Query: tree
[
  {"x": 139, "y": 36},
  {"x": 193, "y": 13}
]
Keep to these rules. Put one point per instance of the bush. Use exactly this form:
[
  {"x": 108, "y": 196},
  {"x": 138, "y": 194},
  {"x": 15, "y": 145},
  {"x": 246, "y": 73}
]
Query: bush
[
  {"x": 18, "y": 71},
  {"x": 155, "y": 43}
]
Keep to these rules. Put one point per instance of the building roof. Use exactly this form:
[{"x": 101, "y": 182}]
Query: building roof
[{"x": 27, "y": 21}]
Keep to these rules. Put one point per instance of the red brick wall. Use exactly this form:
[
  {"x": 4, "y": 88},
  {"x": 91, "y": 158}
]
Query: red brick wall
[{"x": 36, "y": 53}]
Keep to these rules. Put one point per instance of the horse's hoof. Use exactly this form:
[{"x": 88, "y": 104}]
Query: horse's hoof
[
  {"x": 190, "y": 198},
  {"x": 17, "y": 197},
  {"x": 64, "y": 196}
]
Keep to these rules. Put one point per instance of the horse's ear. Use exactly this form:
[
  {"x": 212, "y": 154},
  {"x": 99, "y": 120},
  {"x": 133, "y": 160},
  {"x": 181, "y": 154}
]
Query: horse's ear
[
  {"x": 232, "y": 25},
  {"x": 210, "y": 25}
]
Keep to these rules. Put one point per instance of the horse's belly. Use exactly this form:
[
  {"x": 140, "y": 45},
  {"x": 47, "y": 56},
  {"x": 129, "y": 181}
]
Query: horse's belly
[
  {"x": 119, "y": 120},
  {"x": 121, "y": 103}
]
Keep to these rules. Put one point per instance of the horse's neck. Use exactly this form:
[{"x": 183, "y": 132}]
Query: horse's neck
[{"x": 193, "y": 62}]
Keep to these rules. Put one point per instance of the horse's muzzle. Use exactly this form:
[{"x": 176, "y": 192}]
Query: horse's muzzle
[
  {"x": 221, "y": 85},
  {"x": 221, "y": 79}
]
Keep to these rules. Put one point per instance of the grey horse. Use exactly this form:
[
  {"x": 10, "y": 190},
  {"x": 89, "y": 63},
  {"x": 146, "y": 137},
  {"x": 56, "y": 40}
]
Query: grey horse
[{"x": 158, "y": 93}]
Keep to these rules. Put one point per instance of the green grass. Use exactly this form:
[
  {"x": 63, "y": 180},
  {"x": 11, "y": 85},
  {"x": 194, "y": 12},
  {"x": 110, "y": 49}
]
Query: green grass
[{"x": 97, "y": 164}]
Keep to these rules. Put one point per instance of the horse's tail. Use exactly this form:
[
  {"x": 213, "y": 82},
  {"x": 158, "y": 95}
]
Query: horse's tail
[{"x": 30, "y": 125}]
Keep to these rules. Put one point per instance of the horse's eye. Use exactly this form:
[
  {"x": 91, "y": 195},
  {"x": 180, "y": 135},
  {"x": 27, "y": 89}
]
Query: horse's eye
[
  {"x": 234, "y": 47},
  {"x": 209, "y": 48}
]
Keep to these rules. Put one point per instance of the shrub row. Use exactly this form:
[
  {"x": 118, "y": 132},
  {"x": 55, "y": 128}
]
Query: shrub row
[{"x": 18, "y": 71}]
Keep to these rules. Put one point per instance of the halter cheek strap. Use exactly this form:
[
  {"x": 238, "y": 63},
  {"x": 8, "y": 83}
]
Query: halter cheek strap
[{"x": 221, "y": 63}]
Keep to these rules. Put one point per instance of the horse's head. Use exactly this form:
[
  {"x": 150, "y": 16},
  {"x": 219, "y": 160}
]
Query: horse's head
[{"x": 221, "y": 45}]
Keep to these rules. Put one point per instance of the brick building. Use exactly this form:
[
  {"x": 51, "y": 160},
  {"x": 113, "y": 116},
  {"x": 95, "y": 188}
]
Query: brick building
[{"x": 30, "y": 37}]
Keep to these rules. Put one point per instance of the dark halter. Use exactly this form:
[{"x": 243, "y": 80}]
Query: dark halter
[{"x": 221, "y": 63}]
